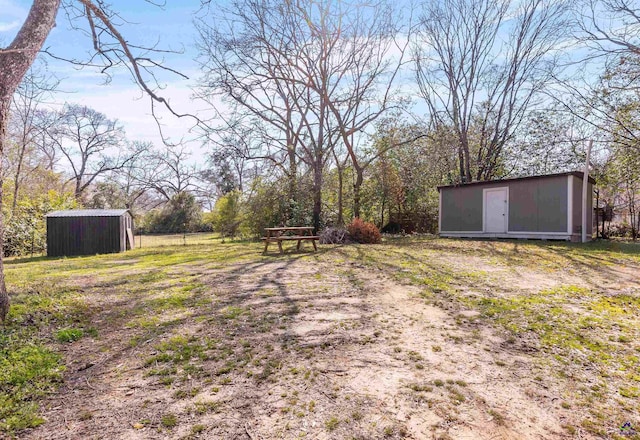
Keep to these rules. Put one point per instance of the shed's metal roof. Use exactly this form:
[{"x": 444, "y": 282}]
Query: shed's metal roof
[
  {"x": 578, "y": 174},
  {"x": 88, "y": 213}
]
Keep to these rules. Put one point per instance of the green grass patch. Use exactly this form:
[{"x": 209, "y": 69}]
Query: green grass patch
[
  {"x": 169, "y": 421},
  {"x": 69, "y": 334},
  {"x": 27, "y": 373}
]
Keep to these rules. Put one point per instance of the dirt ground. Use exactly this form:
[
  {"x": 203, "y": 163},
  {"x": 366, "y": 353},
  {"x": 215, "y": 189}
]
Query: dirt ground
[{"x": 304, "y": 347}]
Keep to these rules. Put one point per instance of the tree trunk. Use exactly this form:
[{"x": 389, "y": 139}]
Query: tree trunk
[
  {"x": 340, "y": 219},
  {"x": 293, "y": 182},
  {"x": 4, "y": 117},
  {"x": 356, "y": 192},
  {"x": 15, "y": 61},
  {"x": 461, "y": 163},
  {"x": 317, "y": 196},
  {"x": 16, "y": 182}
]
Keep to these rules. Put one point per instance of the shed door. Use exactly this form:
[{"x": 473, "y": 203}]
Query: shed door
[{"x": 495, "y": 210}]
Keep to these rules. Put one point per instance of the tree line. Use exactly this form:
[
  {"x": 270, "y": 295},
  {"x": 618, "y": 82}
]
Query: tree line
[{"x": 344, "y": 110}]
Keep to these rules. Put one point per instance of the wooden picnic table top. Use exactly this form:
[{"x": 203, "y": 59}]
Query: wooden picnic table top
[{"x": 290, "y": 228}]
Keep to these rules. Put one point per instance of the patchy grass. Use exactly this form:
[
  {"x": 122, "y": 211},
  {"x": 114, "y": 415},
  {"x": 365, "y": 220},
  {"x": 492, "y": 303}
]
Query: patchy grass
[
  {"x": 587, "y": 333},
  {"x": 27, "y": 373},
  {"x": 195, "y": 336}
]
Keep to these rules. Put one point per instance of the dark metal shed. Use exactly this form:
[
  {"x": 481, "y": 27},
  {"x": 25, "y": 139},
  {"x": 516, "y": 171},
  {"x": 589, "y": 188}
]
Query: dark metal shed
[
  {"x": 89, "y": 232},
  {"x": 542, "y": 207}
]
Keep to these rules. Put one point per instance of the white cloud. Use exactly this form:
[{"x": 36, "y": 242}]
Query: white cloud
[
  {"x": 13, "y": 14},
  {"x": 9, "y": 26}
]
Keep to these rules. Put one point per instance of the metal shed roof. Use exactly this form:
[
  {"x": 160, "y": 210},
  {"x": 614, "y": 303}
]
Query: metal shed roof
[
  {"x": 88, "y": 213},
  {"x": 578, "y": 174}
]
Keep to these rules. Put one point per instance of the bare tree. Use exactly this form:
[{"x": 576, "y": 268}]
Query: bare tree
[
  {"x": 169, "y": 171},
  {"x": 134, "y": 192},
  {"x": 312, "y": 73},
  {"x": 26, "y": 128},
  {"x": 111, "y": 50},
  {"x": 610, "y": 27},
  {"x": 91, "y": 143},
  {"x": 480, "y": 65},
  {"x": 262, "y": 56},
  {"x": 364, "y": 58}
]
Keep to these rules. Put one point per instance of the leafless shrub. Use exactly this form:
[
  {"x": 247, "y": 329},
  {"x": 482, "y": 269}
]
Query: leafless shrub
[{"x": 334, "y": 236}]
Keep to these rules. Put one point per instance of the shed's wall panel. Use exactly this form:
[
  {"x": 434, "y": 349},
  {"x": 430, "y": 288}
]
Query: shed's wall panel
[
  {"x": 576, "y": 227},
  {"x": 462, "y": 208},
  {"x": 538, "y": 205},
  {"x": 68, "y": 236}
]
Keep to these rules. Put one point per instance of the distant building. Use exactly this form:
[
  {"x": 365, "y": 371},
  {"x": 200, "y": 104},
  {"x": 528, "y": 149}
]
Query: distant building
[
  {"x": 89, "y": 232},
  {"x": 542, "y": 207}
]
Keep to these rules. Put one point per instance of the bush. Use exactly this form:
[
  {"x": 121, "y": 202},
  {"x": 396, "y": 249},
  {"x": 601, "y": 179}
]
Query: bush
[
  {"x": 364, "y": 232},
  {"x": 226, "y": 217},
  {"x": 180, "y": 214},
  {"x": 334, "y": 236},
  {"x": 622, "y": 230},
  {"x": 26, "y": 230},
  {"x": 392, "y": 228}
]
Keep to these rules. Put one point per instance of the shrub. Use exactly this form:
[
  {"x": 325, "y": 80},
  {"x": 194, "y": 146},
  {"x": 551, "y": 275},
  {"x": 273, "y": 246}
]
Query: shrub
[
  {"x": 180, "y": 214},
  {"x": 334, "y": 236},
  {"x": 226, "y": 216},
  {"x": 25, "y": 229},
  {"x": 363, "y": 232},
  {"x": 622, "y": 230}
]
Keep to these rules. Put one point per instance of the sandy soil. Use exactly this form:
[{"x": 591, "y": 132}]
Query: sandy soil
[{"x": 331, "y": 352}]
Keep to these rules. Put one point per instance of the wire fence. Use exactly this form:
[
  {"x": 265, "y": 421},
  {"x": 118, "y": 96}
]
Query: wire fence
[{"x": 189, "y": 239}]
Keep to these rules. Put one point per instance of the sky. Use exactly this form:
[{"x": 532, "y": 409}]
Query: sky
[{"x": 170, "y": 27}]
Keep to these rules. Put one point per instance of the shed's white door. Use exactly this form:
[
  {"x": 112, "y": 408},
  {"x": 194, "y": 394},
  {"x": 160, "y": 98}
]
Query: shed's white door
[{"x": 495, "y": 210}]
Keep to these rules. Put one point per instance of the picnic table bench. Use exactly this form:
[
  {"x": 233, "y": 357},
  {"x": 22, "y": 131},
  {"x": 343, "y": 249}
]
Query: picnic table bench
[{"x": 278, "y": 235}]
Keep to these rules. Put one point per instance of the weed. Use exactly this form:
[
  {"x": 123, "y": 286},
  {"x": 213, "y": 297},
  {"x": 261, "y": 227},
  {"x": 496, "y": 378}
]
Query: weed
[
  {"x": 197, "y": 429},
  {"x": 85, "y": 415},
  {"x": 418, "y": 388},
  {"x": 331, "y": 424},
  {"x": 498, "y": 418},
  {"x": 232, "y": 312},
  {"x": 630, "y": 392},
  {"x": 169, "y": 421},
  {"x": 183, "y": 394},
  {"x": 209, "y": 406},
  {"x": 69, "y": 335},
  {"x": 456, "y": 396}
]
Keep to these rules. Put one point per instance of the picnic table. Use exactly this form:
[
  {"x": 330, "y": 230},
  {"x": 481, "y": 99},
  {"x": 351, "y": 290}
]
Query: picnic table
[{"x": 278, "y": 235}]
